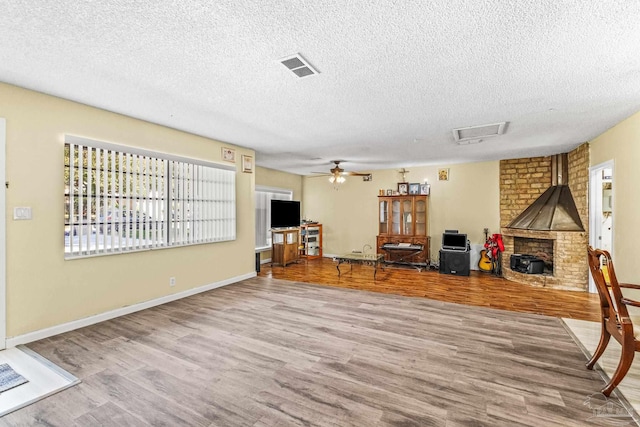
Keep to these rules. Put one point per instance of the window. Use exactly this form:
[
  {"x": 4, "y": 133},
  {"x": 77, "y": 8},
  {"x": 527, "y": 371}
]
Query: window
[
  {"x": 122, "y": 199},
  {"x": 264, "y": 195}
]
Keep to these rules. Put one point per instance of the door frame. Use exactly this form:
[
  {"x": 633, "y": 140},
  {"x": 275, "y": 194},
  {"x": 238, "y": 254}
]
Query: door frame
[
  {"x": 595, "y": 207},
  {"x": 3, "y": 235}
]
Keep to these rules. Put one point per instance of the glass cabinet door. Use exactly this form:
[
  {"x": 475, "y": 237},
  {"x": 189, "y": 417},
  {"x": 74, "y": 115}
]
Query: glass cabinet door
[
  {"x": 421, "y": 217},
  {"x": 395, "y": 217},
  {"x": 407, "y": 220},
  {"x": 292, "y": 237},
  {"x": 384, "y": 217}
]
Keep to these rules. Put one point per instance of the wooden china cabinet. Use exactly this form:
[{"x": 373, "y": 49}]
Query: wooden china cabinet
[{"x": 403, "y": 228}]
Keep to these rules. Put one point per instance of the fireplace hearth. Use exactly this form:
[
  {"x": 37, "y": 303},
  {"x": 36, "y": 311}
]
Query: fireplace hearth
[{"x": 526, "y": 263}]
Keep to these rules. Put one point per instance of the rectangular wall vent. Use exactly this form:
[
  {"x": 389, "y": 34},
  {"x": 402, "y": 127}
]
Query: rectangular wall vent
[
  {"x": 479, "y": 132},
  {"x": 298, "y": 65}
]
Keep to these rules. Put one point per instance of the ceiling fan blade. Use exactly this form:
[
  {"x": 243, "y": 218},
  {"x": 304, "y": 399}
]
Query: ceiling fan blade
[{"x": 337, "y": 171}]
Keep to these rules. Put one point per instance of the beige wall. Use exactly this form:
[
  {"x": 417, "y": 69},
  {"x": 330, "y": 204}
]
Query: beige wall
[
  {"x": 277, "y": 179},
  {"x": 622, "y": 145},
  {"x": 43, "y": 289},
  {"x": 468, "y": 201}
]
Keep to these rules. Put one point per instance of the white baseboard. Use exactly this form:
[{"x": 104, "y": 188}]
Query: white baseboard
[{"x": 91, "y": 320}]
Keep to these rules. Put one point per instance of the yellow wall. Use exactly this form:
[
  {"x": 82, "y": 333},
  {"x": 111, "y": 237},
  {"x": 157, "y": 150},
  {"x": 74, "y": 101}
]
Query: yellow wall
[
  {"x": 277, "y": 179},
  {"x": 43, "y": 289},
  {"x": 622, "y": 145},
  {"x": 468, "y": 201}
]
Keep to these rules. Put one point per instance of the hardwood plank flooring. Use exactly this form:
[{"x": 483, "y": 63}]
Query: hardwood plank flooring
[
  {"x": 478, "y": 289},
  {"x": 267, "y": 352}
]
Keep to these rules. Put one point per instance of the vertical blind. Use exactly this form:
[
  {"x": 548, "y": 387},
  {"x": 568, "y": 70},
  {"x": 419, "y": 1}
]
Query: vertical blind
[
  {"x": 121, "y": 199},
  {"x": 264, "y": 195}
]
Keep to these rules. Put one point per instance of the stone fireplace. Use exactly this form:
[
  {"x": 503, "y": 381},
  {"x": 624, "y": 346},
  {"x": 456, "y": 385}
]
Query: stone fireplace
[{"x": 522, "y": 181}]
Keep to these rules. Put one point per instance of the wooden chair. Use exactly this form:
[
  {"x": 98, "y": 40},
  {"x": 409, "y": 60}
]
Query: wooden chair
[{"x": 616, "y": 320}]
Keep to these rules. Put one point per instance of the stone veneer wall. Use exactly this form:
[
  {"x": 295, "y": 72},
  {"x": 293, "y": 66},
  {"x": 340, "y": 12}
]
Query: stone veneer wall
[{"x": 521, "y": 182}]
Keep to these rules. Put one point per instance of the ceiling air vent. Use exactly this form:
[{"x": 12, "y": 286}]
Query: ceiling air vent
[
  {"x": 298, "y": 65},
  {"x": 479, "y": 132}
]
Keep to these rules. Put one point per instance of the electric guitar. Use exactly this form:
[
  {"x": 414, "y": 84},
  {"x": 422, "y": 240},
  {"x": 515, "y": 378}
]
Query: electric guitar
[{"x": 485, "y": 264}]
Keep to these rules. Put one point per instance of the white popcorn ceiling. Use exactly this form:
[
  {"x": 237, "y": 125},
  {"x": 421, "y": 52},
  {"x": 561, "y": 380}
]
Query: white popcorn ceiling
[{"x": 395, "y": 76}]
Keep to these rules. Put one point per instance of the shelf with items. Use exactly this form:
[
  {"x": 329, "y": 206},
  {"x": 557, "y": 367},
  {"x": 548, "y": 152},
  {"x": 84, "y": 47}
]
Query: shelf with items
[
  {"x": 284, "y": 249},
  {"x": 311, "y": 240},
  {"x": 403, "y": 223}
]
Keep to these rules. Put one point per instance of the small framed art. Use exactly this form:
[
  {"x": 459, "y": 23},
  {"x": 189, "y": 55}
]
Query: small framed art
[
  {"x": 403, "y": 187},
  {"x": 247, "y": 164},
  {"x": 443, "y": 174},
  {"x": 424, "y": 189},
  {"x": 414, "y": 188},
  {"x": 228, "y": 154}
]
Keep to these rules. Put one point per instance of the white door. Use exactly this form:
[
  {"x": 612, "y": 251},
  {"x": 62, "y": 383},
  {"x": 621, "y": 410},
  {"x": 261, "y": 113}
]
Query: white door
[
  {"x": 601, "y": 209},
  {"x": 3, "y": 246}
]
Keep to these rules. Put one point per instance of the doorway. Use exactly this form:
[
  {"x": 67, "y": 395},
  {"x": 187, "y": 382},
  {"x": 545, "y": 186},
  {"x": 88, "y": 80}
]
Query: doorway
[{"x": 601, "y": 218}]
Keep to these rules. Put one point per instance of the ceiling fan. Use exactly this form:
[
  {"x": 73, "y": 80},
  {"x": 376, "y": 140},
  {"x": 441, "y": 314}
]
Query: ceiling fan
[{"x": 337, "y": 174}]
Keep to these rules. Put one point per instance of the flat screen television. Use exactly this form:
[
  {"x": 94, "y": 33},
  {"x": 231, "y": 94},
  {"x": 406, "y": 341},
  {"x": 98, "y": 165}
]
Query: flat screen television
[
  {"x": 285, "y": 213},
  {"x": 454, "y": 242}
]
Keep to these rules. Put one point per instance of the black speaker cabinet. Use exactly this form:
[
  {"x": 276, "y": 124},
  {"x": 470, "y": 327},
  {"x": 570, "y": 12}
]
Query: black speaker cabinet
[{"x": 455, "y": 262}]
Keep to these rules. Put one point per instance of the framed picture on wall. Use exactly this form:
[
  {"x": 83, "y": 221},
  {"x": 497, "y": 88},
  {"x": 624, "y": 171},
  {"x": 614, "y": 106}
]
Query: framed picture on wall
[
  {"x": 443, "y": 174},
  {"x": 403, "y": 187},
  {"x": 247, "y": 164},
  {"x": 414, "y": 188},
  {"x": 228, "y": 154}
]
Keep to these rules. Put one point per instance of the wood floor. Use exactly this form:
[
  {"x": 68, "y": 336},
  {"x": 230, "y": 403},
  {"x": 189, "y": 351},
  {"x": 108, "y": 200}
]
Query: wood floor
[
  {"x": 478, "y": 289},
  {"x": 267, "y": 352}
]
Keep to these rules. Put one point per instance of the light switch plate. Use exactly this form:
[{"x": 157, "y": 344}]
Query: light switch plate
[{"x": 22, "y": 213}]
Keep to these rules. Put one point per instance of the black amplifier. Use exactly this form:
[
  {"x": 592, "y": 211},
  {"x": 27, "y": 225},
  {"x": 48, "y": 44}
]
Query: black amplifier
[{"x": 528, "y": 264}]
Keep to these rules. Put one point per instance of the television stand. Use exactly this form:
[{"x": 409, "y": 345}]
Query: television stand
[{"x": 284, "y": 246}]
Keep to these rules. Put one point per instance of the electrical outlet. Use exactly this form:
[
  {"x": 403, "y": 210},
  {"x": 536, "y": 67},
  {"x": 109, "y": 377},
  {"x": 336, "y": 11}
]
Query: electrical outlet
[{"x": 172, "y": 281}]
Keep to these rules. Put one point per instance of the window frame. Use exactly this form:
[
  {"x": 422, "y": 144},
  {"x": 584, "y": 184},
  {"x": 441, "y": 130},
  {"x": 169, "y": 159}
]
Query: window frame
[
  {"x": 160, "y": 200},
  {"x": 266, "y": 226}
]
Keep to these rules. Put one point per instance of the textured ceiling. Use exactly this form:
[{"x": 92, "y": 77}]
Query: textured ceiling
[{"x": 395, "y": 76}]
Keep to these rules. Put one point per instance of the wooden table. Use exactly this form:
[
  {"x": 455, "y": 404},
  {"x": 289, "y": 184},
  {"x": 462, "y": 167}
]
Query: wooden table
[
  {"x": 373, "y": 260},
  {"x": 402, "y": 253}
]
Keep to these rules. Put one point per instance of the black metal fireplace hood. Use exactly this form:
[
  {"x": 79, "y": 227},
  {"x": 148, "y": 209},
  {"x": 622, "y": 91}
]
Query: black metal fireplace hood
[{"x": 555, "y": 209}]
